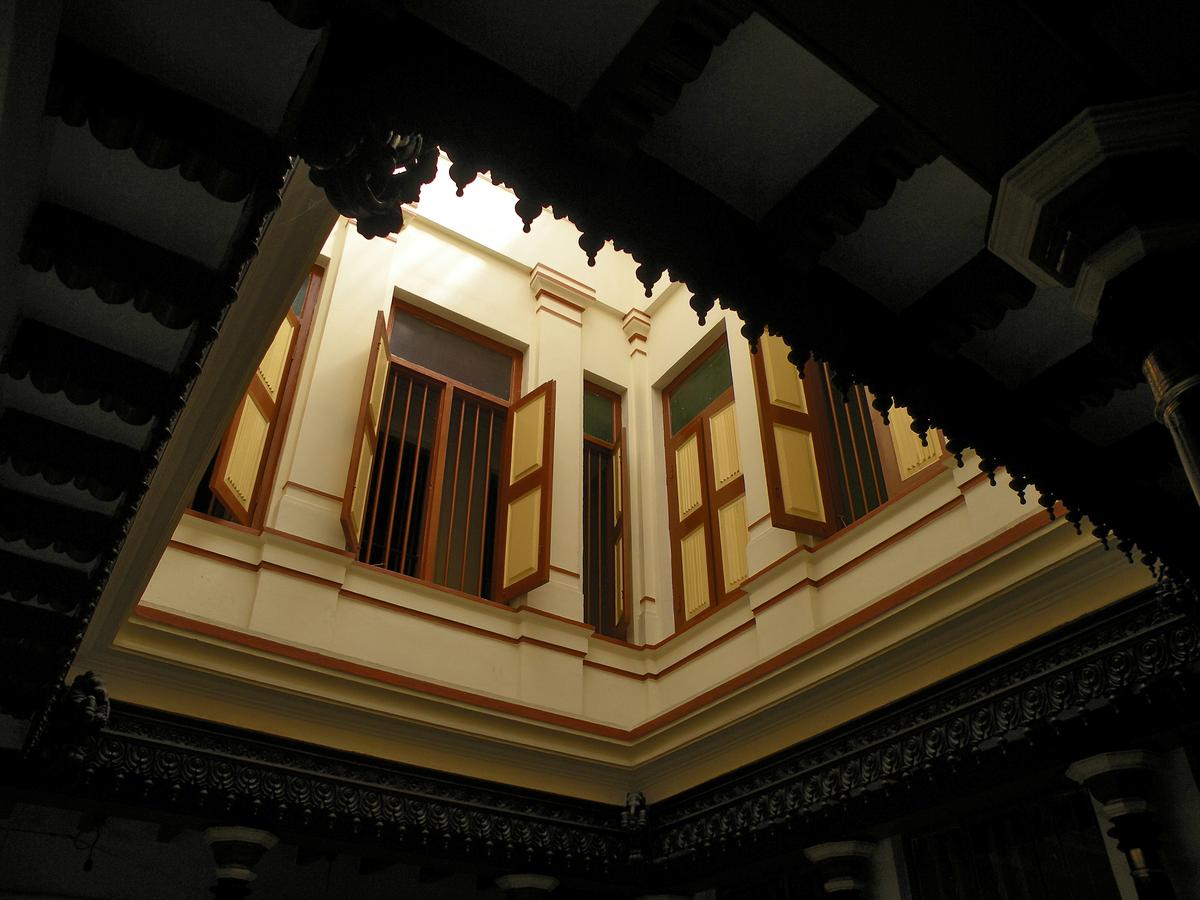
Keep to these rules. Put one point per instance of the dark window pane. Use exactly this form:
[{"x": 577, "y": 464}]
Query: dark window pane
[
  {"x": 396, "y": 505},
  {"x": 597, "y": 415},
  {"x": 298, "y": 302},
  {"x": 700, "y": 388},
  {"x": 470, "y": 481},
  {"x": 599, "y": 569},
  {"x": 425, "y": 344}
]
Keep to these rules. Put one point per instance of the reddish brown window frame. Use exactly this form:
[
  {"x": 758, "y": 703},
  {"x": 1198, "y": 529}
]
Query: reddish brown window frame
[{"x": 713, "y": 499}]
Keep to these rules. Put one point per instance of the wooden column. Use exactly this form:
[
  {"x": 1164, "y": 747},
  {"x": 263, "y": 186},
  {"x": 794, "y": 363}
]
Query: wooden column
[
  {"x": 1121, "y": 784},
  {"x": 1173, "y": 372}
]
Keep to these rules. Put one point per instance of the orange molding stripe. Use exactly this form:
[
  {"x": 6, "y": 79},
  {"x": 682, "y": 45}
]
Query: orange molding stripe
[
  {"x": 236, "y": 526},
  {"x": 563, "y": 571},
  {"x": 553, "y": 312},
  {"x": 976, "y": 480},
  {"x": 1017, "y": 532},
  {"x": 1022, "y": 529},
  {"x": 329, "y": 548},
  {"x": 312, "y": 490},
  {"x": 373, "y": 673}
]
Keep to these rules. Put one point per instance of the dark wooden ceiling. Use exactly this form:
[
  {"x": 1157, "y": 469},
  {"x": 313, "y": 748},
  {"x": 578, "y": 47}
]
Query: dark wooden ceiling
[{"x": 152, "y": 142}]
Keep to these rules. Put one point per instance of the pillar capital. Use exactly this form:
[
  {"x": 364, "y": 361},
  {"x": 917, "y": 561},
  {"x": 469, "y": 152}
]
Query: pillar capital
[
  {"x": 1121, "y": 782},
  {"x": 843, "y": 867},
  {"x": 236, "y": 850},
  {"x": 560, "y": 294},
  {"x": 636, "y": 325}
]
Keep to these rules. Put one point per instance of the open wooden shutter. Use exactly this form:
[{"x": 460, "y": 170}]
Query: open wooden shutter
[
  {"x": 619, "y": 626},
  {"x": 242, "y": 457},
  {"x": 901, "y": 452},
  {"x": 728, "y": 499},
  {"x": 366, "y": 435},
  {"x": 687, "y": 499},
  {"x": 523, "y": 510},
  {"x": 794, "y": 442}
]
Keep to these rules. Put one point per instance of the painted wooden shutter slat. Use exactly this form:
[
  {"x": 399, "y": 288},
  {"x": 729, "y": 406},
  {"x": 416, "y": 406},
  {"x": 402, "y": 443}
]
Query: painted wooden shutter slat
[
  {"x": 527, "y": 469},
  {"x": 240, "y": 460},
  {"x": 795, "y": 442},
  {"x": 366, "y": 435}
]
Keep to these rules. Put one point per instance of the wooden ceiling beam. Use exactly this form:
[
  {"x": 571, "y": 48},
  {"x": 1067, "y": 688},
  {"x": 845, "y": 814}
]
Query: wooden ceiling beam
[
  {"x": 668, "y": 51},
  {"x": 488, "y": 119},
  {"x": 859, "y": 175},
  {"x": 166, "y": 129}
]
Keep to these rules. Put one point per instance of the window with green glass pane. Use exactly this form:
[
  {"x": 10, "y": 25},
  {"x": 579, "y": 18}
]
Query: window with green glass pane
[
  {"x": 710, "y": 379},
  {"x": 597, "y": 416}
]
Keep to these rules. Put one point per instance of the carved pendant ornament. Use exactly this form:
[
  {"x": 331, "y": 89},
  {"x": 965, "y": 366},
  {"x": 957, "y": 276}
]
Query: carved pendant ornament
[
  {"x": 360, "y": 142},
  {"x": 381, "y": 173}
]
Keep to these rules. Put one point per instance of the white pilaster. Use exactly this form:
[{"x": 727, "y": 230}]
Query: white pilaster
[
  {"x": 647, "y": 542},
  {"x": 556, "y": 355}
]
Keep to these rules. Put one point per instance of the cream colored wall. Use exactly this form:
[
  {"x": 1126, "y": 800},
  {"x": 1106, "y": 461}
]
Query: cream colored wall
[{"x": 293, "y": 602}]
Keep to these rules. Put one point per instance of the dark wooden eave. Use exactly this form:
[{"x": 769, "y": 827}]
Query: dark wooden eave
[{"x": 486, "y": 118}]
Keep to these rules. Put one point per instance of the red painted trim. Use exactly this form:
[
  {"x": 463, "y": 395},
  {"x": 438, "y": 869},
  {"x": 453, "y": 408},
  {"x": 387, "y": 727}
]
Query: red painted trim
[
  {"x": 328, "y": 548},
  {"x": 428, "y": 616},
  {"x": 312, "y": 490},
  {"x": 236, "y": 526},
  {"x": 561, "y": 570},
  {"x": 928, "y": 517},
  {"x": 683, "y": 660},
  {"x": 376, "y": 674},
  {"x": 557, "y": 618},
  {"x": 913, "y": 589},
  {"x": 976, "y": 480},
  {"x": 546, "y": 309},
  {"x": 636, "y": 676}
]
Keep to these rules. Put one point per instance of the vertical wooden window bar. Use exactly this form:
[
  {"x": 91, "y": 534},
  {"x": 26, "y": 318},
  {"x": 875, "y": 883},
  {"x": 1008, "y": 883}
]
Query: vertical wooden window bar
[
  {"x": 857, "y": 467},
  {"x": 431, "y": 513}
]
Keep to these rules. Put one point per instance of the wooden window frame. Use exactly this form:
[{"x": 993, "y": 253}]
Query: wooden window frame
[
  {"x": 896, "y": 486},
  {"x": 621, "y": 629},
  {"x": 814, "y": 422},
  {"x": 431, "y": 503},
  {"x": 714, "y": 499},
  {"x": 269, "y": 465}
]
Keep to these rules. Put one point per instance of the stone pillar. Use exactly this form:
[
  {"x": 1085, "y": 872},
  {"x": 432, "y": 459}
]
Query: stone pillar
[
  {"x": 1173, "y": 372},
  {"x": 643, "y": 493},
  {"x": 1121, "y": 783},
  {"x": 844, "y": 867},
  {"x": 236, "y": 850},
  {"x": 526, "y": 886},
  {"x": 557, "y": 356}
]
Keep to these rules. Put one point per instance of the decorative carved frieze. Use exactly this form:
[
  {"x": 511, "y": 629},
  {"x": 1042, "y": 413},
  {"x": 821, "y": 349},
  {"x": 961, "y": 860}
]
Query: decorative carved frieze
[
  {"x": 1100, "y": 674},
  {"x": 85, "y": 372},
  {"x": 276, "y": 784},
  {"x": 86, "y": 254},
  {"x": 645, "y": 80},
  {"x": 166, "y": 129},
  {"x": 1033, "y": 695}
]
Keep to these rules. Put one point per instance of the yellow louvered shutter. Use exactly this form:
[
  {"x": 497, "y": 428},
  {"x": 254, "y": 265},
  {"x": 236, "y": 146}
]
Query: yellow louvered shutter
[
  {"x": 366, "y": 436},
  {"x": 242, "y": 457},
  {"x": 527, "y": 469},
  {"x": 794, "y": 443}
]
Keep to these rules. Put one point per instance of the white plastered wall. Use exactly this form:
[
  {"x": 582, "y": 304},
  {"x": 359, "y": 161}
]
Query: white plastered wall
[{"x": 294, "y": 586}]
